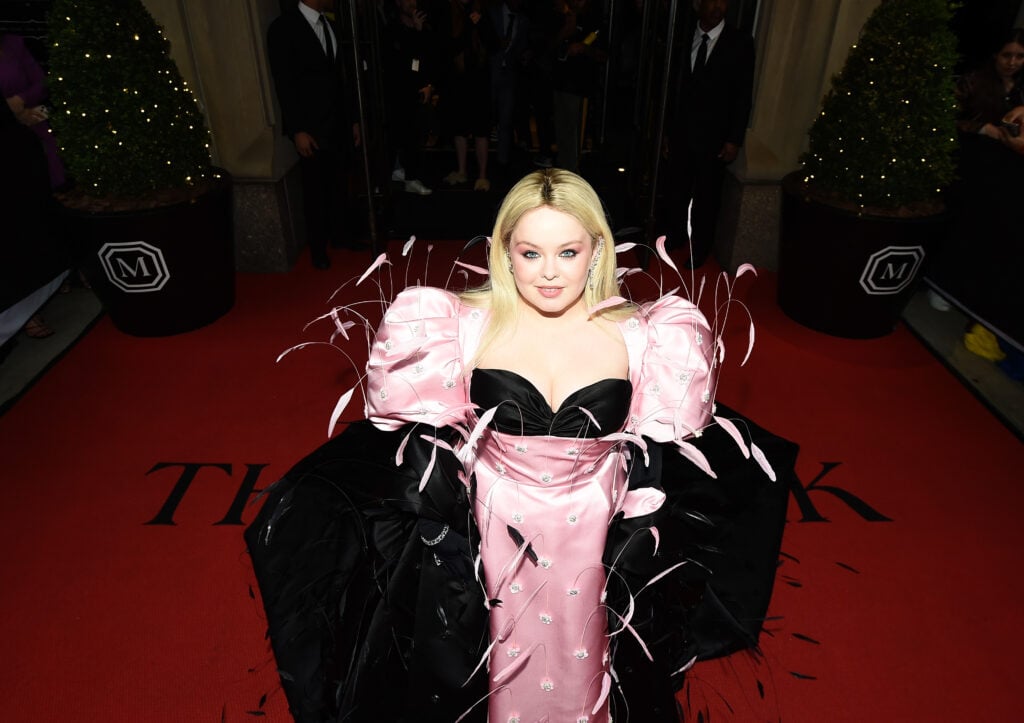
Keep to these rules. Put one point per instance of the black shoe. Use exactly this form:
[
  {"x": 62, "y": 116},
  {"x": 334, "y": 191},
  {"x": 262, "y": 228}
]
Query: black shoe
[{"x": 321, "y": 261}]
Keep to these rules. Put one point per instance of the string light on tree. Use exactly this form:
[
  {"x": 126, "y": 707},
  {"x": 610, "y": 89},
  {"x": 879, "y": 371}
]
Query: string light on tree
[
  {"x": 892, "y": 100},
  {"x": 160, "y": 140}
]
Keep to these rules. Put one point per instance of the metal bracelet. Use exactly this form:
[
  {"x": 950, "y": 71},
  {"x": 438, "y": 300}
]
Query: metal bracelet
[{"x": 431, "y": 543}]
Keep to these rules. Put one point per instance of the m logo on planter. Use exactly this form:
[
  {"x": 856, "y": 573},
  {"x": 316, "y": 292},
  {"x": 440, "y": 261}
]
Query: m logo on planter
[
  {"x": 891, "y": 270},
  {"x": 135, "y": 267}
]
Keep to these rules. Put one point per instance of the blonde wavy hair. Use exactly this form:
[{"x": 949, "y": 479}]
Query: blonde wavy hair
[{"x": 563, "y": 191}]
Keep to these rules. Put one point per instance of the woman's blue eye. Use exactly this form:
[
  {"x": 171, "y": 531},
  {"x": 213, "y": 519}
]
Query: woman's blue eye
[{"x": 566, "y": 254}]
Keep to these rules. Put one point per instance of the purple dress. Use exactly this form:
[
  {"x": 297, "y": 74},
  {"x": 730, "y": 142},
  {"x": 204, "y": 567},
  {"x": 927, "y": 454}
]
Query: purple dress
[{"x": 21, "y": 75}]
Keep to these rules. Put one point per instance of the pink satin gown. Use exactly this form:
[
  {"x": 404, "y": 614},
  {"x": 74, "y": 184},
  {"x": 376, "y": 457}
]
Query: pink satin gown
[{"x": 543, "y": 502}]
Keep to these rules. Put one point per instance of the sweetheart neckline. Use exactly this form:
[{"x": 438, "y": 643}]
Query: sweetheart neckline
[{"x": 536, "y": 389}]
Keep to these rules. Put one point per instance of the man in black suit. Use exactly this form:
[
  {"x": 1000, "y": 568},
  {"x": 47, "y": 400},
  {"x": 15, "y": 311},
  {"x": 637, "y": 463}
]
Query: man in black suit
[
  {"x": 317, "y": 115},
  {"x": 707, "y": 124}
]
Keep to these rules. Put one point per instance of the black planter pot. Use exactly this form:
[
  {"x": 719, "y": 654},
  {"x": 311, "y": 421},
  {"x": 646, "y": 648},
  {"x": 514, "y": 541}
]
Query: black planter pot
[
  {"x": 165, "y": 270},
  {"x": 845, "y": 274}
]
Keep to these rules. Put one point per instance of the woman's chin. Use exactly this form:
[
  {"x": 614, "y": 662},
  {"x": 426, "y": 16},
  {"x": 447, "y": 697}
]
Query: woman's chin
[{"x": 551, "y": 306}]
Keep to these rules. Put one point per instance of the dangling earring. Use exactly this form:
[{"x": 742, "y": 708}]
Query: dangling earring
[
  {"x": 593, "y": 262},
  {"x": 508, "y": 259}
]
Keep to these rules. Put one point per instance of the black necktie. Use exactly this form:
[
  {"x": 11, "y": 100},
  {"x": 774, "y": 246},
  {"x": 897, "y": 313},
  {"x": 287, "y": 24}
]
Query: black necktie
[
  {"x": 702, "y": 54},
  {"x": 328, "y": 44}
]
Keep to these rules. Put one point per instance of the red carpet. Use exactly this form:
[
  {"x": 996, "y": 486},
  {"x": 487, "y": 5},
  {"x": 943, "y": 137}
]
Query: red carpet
[{"x": 898, "y": 598}]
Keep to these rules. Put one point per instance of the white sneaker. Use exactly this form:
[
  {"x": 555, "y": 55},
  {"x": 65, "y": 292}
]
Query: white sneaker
[
  {"x": 398, "y": 174},
  {"x": 416, "y": 186}
]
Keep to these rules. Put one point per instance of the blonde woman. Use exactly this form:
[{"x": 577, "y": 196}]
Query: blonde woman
[{"x": 529, "y": 556}]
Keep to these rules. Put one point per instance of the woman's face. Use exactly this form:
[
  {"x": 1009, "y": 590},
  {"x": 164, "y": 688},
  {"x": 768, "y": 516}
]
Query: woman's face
[
  {"x": 551, "y": 253},
  {"x": 1010, "y": 60}
]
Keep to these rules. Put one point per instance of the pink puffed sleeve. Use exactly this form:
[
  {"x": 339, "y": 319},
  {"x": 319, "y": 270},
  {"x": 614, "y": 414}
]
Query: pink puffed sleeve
[
  {"x": 671, "y": 349},
  {"x": 415, "y": 370}
]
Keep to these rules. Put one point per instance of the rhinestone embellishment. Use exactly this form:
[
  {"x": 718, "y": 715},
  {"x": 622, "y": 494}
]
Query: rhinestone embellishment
[
  {"x": 513, "y": 719},
  {"x": 449, "y": 383},
  {"x": 475, "y": 314},
  {"x": 705, "y": 396},
  {"x": 632, "y": 324},
  {"x": 520, "y": 447},
  {"x": 513, "y": 652},
  {"x": 573, "y": 451},
  {"x": 388, "y": 345},
  {"x": 546, "y": 685},
  {"x": 383, "y": 393},
  {"x": 545, "y": 477},
  {"x": 572, "y": 519},
  {"x": 573, "y": 592},
  {"x": 545, "y": 563},
  {"x": 700, "y": 338},
  {"x": 545, "y": 618},
  {"x": 684, "y": 377},
  {"x": 499, "y": 468},
  {"x": 582, "y": 654},
  {"x": 517, "y": 516},
  {"x": 515, "y": 587}
]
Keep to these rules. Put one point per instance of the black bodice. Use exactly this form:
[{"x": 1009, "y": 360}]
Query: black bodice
[{"x": 522, "y": 409}]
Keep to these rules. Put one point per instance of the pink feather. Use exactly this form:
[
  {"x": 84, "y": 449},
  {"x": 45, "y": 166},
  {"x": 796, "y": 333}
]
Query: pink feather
[
  {"x": 606, "y": 687},
  {"x": 429, "y": 469},
  {"x": 663, "y": 254},
  {"x": 400, "y": 453},
  {"x": 661, "y": 575},
  {"x": 750, "y": 344},
  {"x": 480, "y": 428},
  {"x": 471, "y": 267},
  {"x": 408, "y": 245},
  {"x": 697, "y": 457},
  {"x": 687, "y": 666},
  {"x": 657, "y": 539},
  {"x": 729, "y": 427},
  {"x": 591, "y": 417},
  {"x": 343, "y": 401},
  {"x": 437, "y": 442},
  {"x": 382, "y": 259},
  {"x": 744, "y": 268},
  {"x": 518, "y": 662},
  {"x": 763, "y": 461},
  {"x": 607, "y": 303}
]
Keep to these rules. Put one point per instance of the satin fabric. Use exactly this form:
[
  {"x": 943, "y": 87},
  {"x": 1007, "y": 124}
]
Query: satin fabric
[
  {"x": 386, "y": 559},
  {"x": 543, "y": 502},
  {"x": 546, "y": 491},
  {"x": 522, "y": 408}
]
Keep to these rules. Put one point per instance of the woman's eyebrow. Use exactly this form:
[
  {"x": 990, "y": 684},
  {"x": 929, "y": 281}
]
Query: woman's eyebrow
[{"x": 561, "y": 246}]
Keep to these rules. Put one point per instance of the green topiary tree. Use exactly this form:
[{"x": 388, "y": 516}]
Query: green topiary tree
[
  {"x": 126, "y": 122},
  {"x": 886, "y": 134}
]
